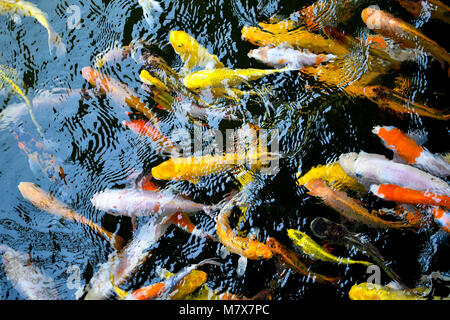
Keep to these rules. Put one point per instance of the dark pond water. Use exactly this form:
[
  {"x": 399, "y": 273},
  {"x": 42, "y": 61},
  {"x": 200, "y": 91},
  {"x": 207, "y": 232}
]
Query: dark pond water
[{"x": 316, "y": 124}]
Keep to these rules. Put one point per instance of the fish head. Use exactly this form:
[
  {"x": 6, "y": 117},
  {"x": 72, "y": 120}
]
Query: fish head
[
  {"x": 325, "y": 229},
  {"x": 165, "y": 171},
  {"x": 182, "y": 43},
  {"x": 372, "y": 17},
  {"x": 295, "y": 235},
  {"x": 258, "y": 54},
  {"x": 33, "y": 193},
  {"x": 111, "y": 201},
  {"x": 90, "y": 75},
  {"x": 348, "y": 163},
  {"x": 195, "y": 81}
]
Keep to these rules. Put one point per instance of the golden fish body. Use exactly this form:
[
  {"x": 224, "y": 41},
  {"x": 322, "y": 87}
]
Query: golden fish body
[
  {"x": 369, "y": 291},
  {"x": 311, "y": 248}
]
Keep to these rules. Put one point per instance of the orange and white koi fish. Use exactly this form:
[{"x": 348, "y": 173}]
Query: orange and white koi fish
[
  {"x": 48, "y": 203},
  {"x": 402, "y": 32},
  {"x": 245, "y": 247},
  {"x": 27, "y": 279},
  {"x": 163, "y": 290},
  {"x": 183, "y": 222},
  {"x": 145, "y": 129},
  {"x": 291, "y": 259},
  {"x": 284, "y": 56},
  {"x": 441, "y": 216},
  {"x": 348, "y": 208},
  {"x": 119, "y": 93},
  {"x": 121, "y": 265},
  {"x": 135, "y": 202},
  {"x": 398, "y": 194},
  {"x": 369, "y": 168},
  {"x": 408, "y": 149}
]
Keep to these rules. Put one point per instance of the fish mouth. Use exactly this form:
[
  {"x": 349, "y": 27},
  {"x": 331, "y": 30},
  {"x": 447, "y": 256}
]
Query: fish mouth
[{"x": 348, "y": 163}]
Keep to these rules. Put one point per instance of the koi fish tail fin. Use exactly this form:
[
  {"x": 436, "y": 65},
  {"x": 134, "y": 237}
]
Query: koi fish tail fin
[
  {"x": 54, "y": 41},
  {"x": 209, "y": 261}
]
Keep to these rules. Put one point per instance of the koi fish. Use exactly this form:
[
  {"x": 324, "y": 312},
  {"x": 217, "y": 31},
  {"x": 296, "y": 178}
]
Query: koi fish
[
  {"x": 387, "y": 98},
  {"x": 412, "y": 214},
  {"x": 408, "y": 150},
  {"x": 435, "y": 8},
  {"x": 112, "y": 55},
  {"x": 145, "y": 129},
  {"x": 118, "y": 92},
  {"x": 333, "y": 175},
  {"x": 338, "y": 234},
  {"x": 183, "y": 222},
  {"x": 348, "y": 207},
  {"x": 299, "y": 39},
  {"x": 27, "y": 279},
  {"x": 400, "y": 31},
  {"x": 224, "y": 77},
  {"x": 245, "y": 247},
  {"x": 398, "y": 194},
  {"x": 292, "y": 260},
  {"x": 38, "y": 155},
  {"x": 9, "y": 76},
  {"x": 194, "y": 167},
  {"x": 158, "y": 90},
  {"x": 283, "y": 56},
  {"x": 148, "y": 6},
  {"x": 44, "y": 201},
  {"x": 371, "y": 291},
  {"x": 314, "y": 250},
  {"x": 441, "y": 216},
  {"x": 28, "y": 9},
  {"x": 192, "y": 53},
  {"x": 136, "y": 203},
  {"x": 370, "y": 169},
  {"x": 165, "y": 289},
  {"x": 121, "y": 265}
]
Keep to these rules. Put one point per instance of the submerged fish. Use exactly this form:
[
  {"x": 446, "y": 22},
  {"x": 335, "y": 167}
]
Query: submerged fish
[
  {"x": 292, "y": 260},
  {"x": 398, "y": 194},
  {"x": 397, "y": 29},
  {"x": 48, "y": 203},
  {"x": 145, "y": 129},
  {"x": 314, "y": 250},
  {"x": 338, "y": 234},
  {"x": 164, "y": 290},
  {"x": 371, "y": 291},
  {"x": 135, "y": 202},
  {"x": 158, "y": 90},
  {"x": 224, "y": 77},
  {"x": 333, "y": 175},
  {"x": 408, "y": 150},
  {"x": 192, "y": 53},
  {"x": 441, "y": 216},
  {"x": 27, "y": 279},
  {"x": 245, "y": 247},
  {"x": 28, "y": 9},
  {"x": 148, "y": 6},
  {"x": 121, "y": 265},
  {"x": 119, "y": 93},
  {"x": 283, "y": 56},
  {"x": 348, "y": 208},
  {"x": 435, "y": 8},
  {"x": 370, "y": 169}
]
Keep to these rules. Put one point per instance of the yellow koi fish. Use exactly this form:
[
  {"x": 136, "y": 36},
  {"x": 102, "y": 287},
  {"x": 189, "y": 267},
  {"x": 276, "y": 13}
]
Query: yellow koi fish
[
  {"x": 333, "y": 175},
  {"x": 192, "y": 53},
  {"x": 28, "y": 9},
  {"x": 311, "y": 248},
  {"x": 8, "y": 76},
  {"x": 192, "y": 168},
  {"x": 159, "y": 91},
  {"x": 299, "y": 39},
  {"x": 370, "y": 291},
  {"x": 225, "y": 77}
]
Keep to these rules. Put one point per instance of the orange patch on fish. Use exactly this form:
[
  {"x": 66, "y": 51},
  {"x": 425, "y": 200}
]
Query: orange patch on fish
[{"x": 405, "y": 146}]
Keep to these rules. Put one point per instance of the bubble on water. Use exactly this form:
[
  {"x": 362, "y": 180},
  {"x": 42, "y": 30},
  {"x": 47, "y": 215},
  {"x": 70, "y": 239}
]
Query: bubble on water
[{"x": 241, "y": 267}]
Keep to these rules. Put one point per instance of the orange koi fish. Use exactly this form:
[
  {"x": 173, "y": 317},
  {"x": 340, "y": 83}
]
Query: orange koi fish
[
  {"x": 48, "y": 203},
  {"x": 435, "y": 8},
  {"x": 119, "y": 93},
  {"x": 442, "y": 217},
  {"x": 402, "y": 32},
  {"x": 182, "y": 221},
  {"x": 408, "y": 149},
  {"x": 398, "y": 194},
  {"x": 145, "y": 129},
  {"x": 245, "y": 247},
  {"x": 348, "y": 207},
  {"x": 291, "y": 259}
]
